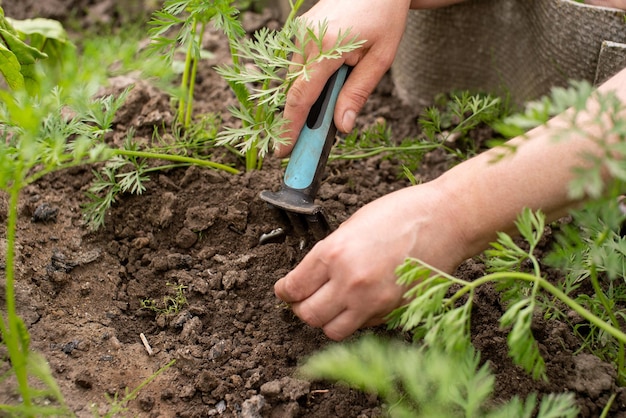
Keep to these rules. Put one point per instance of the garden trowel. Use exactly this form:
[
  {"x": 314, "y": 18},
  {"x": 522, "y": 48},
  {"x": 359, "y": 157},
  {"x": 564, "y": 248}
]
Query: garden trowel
[{"x": 296, "y": 197}]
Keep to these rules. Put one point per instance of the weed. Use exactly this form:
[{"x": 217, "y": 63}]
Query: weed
[
  {"x": 170, "y": 305},
  {"x": 118, "y": 406}
]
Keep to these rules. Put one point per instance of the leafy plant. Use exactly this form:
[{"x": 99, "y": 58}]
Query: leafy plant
[
  {"x": 591, "y": 252},
  {"x": 261, "y": 71},
  {"x": 376, "y": 140},
  {"x": 452, "y": 120},
  {"x": 261, "y": 75},
  {"x": 440, "y": 309},
  {"x": 190, "y": 18},
  {"x": 127, "y": 170},
  {"x": 118, "y": 406},
  {"x": 170, "y": 305},
  {"x": 23, "y": 43},
  {"x": 416, "y": 382}
]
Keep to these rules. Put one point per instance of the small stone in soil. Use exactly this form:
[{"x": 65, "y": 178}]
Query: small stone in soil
[
  {"x": 69, "y": 347},
  {"x": 45, "y": 213}
]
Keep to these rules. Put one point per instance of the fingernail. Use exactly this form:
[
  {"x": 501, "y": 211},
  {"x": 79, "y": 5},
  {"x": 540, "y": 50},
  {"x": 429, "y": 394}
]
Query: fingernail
[{"x": 349, "y": 118}]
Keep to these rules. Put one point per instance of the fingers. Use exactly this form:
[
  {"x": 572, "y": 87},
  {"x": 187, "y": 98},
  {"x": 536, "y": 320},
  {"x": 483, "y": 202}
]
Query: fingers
[
  {"x": 302, "y": 282},
  {"x": 300, "y": 98},
  {"x": 362, "y": 81},
  {"x": 360, "y": 84},
  {"x": 320, "y": 308}
]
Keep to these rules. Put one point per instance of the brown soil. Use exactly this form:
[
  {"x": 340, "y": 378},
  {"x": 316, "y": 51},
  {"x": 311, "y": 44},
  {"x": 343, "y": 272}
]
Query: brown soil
[{"x": 236, "y": 346}]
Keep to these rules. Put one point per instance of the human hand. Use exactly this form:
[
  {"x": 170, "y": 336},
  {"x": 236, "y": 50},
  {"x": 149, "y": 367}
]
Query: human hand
[
  {"x": 381, "y": 24},
  {"x": 617, "y": 4},
  {"x": 347, "y": 281}
]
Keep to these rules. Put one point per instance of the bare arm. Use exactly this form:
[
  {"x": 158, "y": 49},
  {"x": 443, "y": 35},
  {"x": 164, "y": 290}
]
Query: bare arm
[
  {"x": 346, "y": 281},
  {"x": 536, "y": 176}
]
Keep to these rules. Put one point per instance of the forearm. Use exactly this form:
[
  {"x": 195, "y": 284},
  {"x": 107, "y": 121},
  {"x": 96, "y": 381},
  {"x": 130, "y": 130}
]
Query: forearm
[
  {"x": 432, "y": 4},
  {"x": 488, "y": 195}
]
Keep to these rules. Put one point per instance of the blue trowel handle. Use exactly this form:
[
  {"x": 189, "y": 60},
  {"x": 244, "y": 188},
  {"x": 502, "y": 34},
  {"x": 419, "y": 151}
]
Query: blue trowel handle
[{"x": 309, "y": 155}]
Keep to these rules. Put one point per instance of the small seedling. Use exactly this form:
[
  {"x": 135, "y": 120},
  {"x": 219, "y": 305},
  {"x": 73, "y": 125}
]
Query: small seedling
[
  {"x": 118, "y": 406},
  {"x": 169, "y": 305}
]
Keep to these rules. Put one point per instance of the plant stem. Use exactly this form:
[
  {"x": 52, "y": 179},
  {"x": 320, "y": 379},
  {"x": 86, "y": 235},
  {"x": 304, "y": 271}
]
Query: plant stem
[
  {"x": 141, "y": 154},
  {"x": 294, "y": 11},
  {"x": 606, "y": 304},
  {"x": 370, "y": 152},
  {"x": 176, "y": 158},
  {"x": 186, "y": 73},
  {"x": 192, "y": 78},
  {"x": 493, "y": 277},
  {"x": 11, "y": 331},
  {"x": 253, "y": 161}
]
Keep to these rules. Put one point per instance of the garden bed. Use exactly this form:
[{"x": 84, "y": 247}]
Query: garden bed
[{"x": 236, "y": 346}]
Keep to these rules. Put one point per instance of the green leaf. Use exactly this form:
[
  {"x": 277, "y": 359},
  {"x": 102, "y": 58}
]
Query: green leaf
[
  {"x": 522, "y": 344},
  {"x": 48, "y": 28},
  {"x": 25, "y": 53},
  {"x": 10, "y": 68},
  {"x": 26, "y": 56}
]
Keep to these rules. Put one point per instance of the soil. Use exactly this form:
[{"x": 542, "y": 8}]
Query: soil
[{"x": 236, "y": 346}]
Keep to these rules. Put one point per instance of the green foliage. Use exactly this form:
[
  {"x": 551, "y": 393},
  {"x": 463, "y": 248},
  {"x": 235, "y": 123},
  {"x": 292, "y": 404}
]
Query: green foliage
[
  {"x": 118, "y": 406},
  {"x": 419, "y": 382},
  {"x": 189, "y": 19},
  {"x": 261, "y": 88},
  {"x": 591, "y": 252},
  {"x": 376, "y": 140},
  {"x": 440, "y": 307},
  {"x": 23, "y": 43},
  {"x": 451, "y": 121},
  {"x": 171, "y": 304}
]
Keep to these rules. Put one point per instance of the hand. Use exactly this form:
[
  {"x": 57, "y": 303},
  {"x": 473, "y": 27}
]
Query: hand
[
  {"x": 617, "y": 4},
  {"x": 347, "y": 281},
  {"x": 381, "y": 23}
]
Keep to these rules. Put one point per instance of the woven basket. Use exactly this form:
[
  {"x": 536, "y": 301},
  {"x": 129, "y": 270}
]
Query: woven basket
[
  {"x": 519, "y": 48},
  {"x": 516, "y": 47}
]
